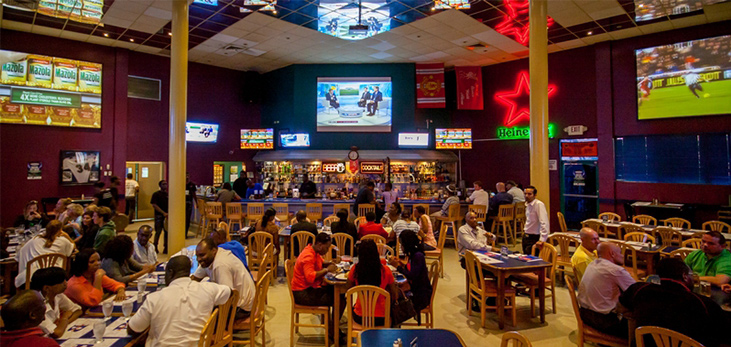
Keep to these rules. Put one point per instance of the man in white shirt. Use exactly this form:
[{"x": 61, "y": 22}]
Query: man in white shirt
[
  {"x": 144, "y": 250},
  {"x": 604, "y": 281},
  {"x": 471, "y": 237},
  {"x": 512, "y": 187},
  {"x": 131, "y": 188},
  {"x": 479, "y": 196},
  {"x": 176, "y": 314},
  {"x": 536, "y": 221},
  {"x": 222, "y": 267}
]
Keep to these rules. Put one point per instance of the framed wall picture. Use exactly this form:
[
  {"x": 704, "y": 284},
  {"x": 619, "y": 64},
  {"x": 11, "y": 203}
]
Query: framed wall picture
[{"x": 80, "y": 167}]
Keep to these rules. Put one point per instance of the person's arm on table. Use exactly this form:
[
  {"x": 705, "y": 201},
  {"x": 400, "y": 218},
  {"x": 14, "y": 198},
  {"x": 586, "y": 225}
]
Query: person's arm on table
[
  {"x": 717, "y": 280},
  {"x": 69, "y": 312},
  {"x": 199, "y": 274},
  {"x": 110, "y": 285}
]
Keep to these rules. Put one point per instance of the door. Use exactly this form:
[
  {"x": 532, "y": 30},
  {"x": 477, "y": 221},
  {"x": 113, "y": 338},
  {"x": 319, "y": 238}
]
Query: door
[
  {"x": 579, "y": 192},
  {"x": 149, "y": 175}
]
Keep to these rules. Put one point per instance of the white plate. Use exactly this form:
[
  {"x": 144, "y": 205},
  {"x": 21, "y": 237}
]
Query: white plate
[{"x": 342, "y": 276}]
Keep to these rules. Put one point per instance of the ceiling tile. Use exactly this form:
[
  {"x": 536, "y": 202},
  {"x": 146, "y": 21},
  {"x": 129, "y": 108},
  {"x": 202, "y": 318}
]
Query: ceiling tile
[
  {"x": 688, "y": 21},
  {"x": 570, "y": 17},
  {"x": 129, "y": 6},
  {"x": 224, "y": 38},
  {"x": 571, "y": 44},
  {"x": 122, "y": 23},
  {"x": 158, "y": 13},
  {"x": 381, "y": 55},
  {"x": 382, "y": 46},
  {"x": 122, "y": 14},
  {"x": 37, "y": 29},
  {"x": 655, "y": 27},
  {"x": 625, "y": 33},
  {"x": 13, "y": 25}
]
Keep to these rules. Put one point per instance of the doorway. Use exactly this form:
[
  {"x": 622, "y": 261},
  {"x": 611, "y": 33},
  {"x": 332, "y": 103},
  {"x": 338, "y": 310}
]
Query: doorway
[
  {"x": 148, "y": 174},
  {"x": 579, "y": 181}
]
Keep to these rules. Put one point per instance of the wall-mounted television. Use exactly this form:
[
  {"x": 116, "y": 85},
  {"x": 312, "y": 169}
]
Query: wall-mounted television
[
  {"x": 684, "y": 79},
  {"x": 354, "y": 104},
  {"x": 453, "y": 138},
  {"x": 257, "y": 138},
  {"x": 201, "y": 132},
  {"x": 80, "y": 167},
  {"x": 294, "y": 140},
  {"x": 413, "y": 140}
]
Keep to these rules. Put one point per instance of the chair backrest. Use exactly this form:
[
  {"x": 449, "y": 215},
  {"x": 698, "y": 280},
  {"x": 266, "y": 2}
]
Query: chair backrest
[
  {"x": 516, "y": 338},
  {"x": 365, "y": 208},
  {"x": 520, "y": 210},
  {"x": 215, "y": 209},
  {"x": 254, "y": 210},
  {"x": 596, "y": 226},
  {"x": 385, "y": 250},
  {"x": 202, "y": 208},
  {"x": 474, "y": 273},
  {"x": 314, "y": 211},
  {"x": 505, "y": 213},
  {"x": 668, "y": 235},
  {"x": 341, "y": 241},
  {"x": 338, "y": 207},
  {"x": 664, "y": 337},
  {"x": 329, "y": 255},
  {"x": 263, "y": 263},
  {"x": 43, "y": 261},
  {"x": 224, "y": 226},
  {"x": 611, "y": 216},
  {"x": 453, "y": 212},
  {"x": 548, "y": 254},
  {"x": 562, "y": 222},
  {"x": 289, "y": 272},
  {"x": 376, "y": 238},
  {"x": 258, "y": 241},
  {"x": 223, "y": 333},
  {"x": 368, "y": 297},
  {"x": 358, "y": 221},
  {"x": 434, "y": 279},
  {"x": 233, "y": 210},
  {"x": 681, "y": 253},
  {"x": 716, "y": 225},
  {"x": 630, "y": 256},
  {"x": 329, "y": 220},
  {"x": 677, "y": 222},
  {"x": 208, "y": 330},
  {"x": 575, "y": 305},
  {"x": 303, "y": 239},
  {"x": 644, "y": 219},
  {"x": 693, "y": 243},
  {"x": 260, "y": 301},
  {"x": 425, "y": 206},
  {"x": 563, "y": 243},
  {"x": 639, "y": 236},
  {"x": 626, "y": 228},
  {"x": 282, "y": 211},
  {"x": 480, "y": 211}
]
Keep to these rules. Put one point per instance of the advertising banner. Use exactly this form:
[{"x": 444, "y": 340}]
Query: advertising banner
[
  {"x": 469, "y": 88},
  {"x": 430, "y": 85}
]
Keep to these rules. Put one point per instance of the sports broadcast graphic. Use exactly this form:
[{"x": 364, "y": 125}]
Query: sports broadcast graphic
[{"x": 684, "y": 79}]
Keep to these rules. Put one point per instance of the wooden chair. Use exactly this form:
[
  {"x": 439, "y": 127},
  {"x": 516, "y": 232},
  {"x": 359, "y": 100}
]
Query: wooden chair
[
  {"x": 630, "y": 257},
  {"x": 385, "y": 251},
  {"x": 234, "y": 215},
  {"x": 503, "y": 221},
  {"x": 681, "y": 253},
  {"x": 715, "y": 225},
  {"x": 516, "y": 338},
  {"x": 320, "y": 311},
  {"x": 664, "y": 337},
  {"x": 548, "y": 254},
  {"x": 202, "y": 221},
  {"x": 44, "y": 261},
  {"x": 562, "y": 222},
  {"x": 224, "y": 226},
  {"x": 258, "y": 241},
  {"x": 314, "y": 212},
  {"x": 480, "y": 211},
  {"x": 429, "y": 310},
  {"x": 368, "y": 296},
  {"x": 479, "y": 289},
  {"x": 343, "y": 242},
  {"x": 303, "y": 238},
  {"x": 224, "y": 331},
  {"x": 519, "y": 220},
  {"x": 599, "y": 227},
  {"x": 255, "y": 323},
  {"x": 587, "y": 333},
  {"x": 358, "y": 221},
  {"x": 425, "y": 206},
  {"x": 629, "y": 228},
  {"x": 563, "y": 244},
  {"x": 264, "y": 259},
  {"x": 254, "y": 212},
  {"x": 453, "y": 217},
  {"x": 639, "y": 237},
  {"x": 329, "y": 255},
  {"x": 668, "y": 235},
  {"x": 378, "y": 239},
  {"x": 338, "y": 207},
  {"x": 214, "y": 214},
  {"x": 365, "y": 208},
  {"x": 693, "y": 243},
  {"x": 677, "y": 223},
  {"x": 644, "y": 219},
  {"x": 282, "y": 213},
  {"x": 611, "y": 216},
  {"x": 330, "y": 220},
  {"x": 208, "y": 330},
  {"x": 438, "y": 253}
]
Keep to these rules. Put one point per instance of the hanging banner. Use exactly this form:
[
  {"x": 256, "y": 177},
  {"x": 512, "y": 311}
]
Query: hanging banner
[
  {"x": 469, "y": 88},
  {"x": 430, "y": 85}
]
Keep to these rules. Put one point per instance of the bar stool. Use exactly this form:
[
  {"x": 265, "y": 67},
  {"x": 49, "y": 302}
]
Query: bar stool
[
  {"x": 234, "y": 215},
  {"x": 214, "y": 215},
  {"x": 519, "y": 220},
  {"x": 480, "y": 211},
  {"x": 254, "y": 212},
  {"x": 338, "y": 207},
  {"x": 282, "y": 213},
  {"x": 202, "y": 221},
  {"x": 365, "y": 208},
  {"x": 314, "y": 212},
  {"x": 503, "y": 220},
  {"x": 425, "y": 206},
  {"x": 452, "y": 218}
]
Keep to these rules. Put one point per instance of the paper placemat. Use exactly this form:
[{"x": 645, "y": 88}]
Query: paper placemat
[
  {"x": 487, "y": 260},
  {"x": 118, "y": 328},
  {"x": 79, "y": 327},
  {"x": 88, "y": 343}
]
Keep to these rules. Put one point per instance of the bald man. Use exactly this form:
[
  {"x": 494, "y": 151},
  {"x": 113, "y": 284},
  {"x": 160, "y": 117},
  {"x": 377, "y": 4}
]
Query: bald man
[
  {"x": 604, "y": 281},
  {"x": 22, "y": 314},
  {"x": 501, "y": 198},
  {"x": 586, "y": 253}
]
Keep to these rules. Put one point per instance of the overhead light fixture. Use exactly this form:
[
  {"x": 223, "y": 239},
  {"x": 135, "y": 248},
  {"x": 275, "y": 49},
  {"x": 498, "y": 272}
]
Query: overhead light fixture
[
  {"x": 589, "y": 33},
  {"x": 170, "y": 33},
  {"x": 131, "y": 40},
  {"x": 106, "y": 35}
]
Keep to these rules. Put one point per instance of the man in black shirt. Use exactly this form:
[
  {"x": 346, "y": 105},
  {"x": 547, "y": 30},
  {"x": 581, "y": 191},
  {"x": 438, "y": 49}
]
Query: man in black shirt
[
  {"x": 102, "y": 197},
  {"x": 672, "y": 305},
  {"x": 240, "y": 185},
  {"x": 190, "y": 195},
  {"x": 366, "y": 196},
  {"x": 307, "y": 188},
  {"x": 159, "y": 203},
  {"x": 302, "y": 225}
]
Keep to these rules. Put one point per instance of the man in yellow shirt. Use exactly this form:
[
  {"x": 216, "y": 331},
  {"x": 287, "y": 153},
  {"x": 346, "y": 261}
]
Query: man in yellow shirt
[{"x": 586, "y": 253}]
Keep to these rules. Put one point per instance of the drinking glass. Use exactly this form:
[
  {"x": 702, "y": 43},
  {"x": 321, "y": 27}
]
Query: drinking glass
[
  {"x": 706, "y": 288},
  {"x": 140, "y": 297},
  {"x": 127, "y": 309},
  {"x": 99, "y": 328},
  {"x": 142, "y": 284},
  {"x": 504, "y": 251},
  {"x": 107, "y": 308}
]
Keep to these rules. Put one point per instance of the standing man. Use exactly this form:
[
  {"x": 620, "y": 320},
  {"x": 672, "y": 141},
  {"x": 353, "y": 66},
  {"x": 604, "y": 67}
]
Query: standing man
[
  {"x": 366, "y": 196},
  {"x": 240, "y": 185},
  {"x": 102, "y": 197},
  {"x": 713, "y": 261},
  {"x": 586, "y": 253},
  {"x": 114, "y": 190},
  {"x": 190, "y": 195},
  {"x": 159, "y": 203},
  {"x": 389, "y": 195},
  {"x": 144, "y": 253},
  {"x": 131, "y": 189},
  {"x": 536, "y": 221},
  {"x": 307, "y": 188},
  {"x": 517, "y": 193},
  {"x": 375, "y": 99},
  {"x": 479, "y": 196}
]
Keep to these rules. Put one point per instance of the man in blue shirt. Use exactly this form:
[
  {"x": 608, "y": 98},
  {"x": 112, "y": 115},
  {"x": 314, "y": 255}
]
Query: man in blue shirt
[
  {"x": 254, "y": 189},
  {"x": 219, "y": 238}
]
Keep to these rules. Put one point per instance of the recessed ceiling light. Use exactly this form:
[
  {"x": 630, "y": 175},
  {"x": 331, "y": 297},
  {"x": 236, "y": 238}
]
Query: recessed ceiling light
[
  {"x": 589, "y": 33},
  {"x": 131, "y": 40},
  {"x": 170, "y": 34},
  {"x": 106, "y": 35}
]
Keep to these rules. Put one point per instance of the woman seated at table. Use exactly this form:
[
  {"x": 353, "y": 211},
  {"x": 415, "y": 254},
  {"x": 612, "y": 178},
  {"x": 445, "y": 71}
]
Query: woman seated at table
[
  {"x": 392, "y": 216},
  {"x": 59, "y": 211},
  {"x": 118, "y": 262},
  {"x": 415, "y": 270},
  {"x": 343, "y": 226},
  {"x": 88, "y": 282},
  {"x": 226, "y": 194},
  {"x": 425, "y": 228},
  {"x": 88, "y": 231},
  {"x": 31, "y": 217},
  {"x": 370, "y": 271},
  {"x": 54, "y": 240},
  {"x": 73, "y": 218},
  {"x": 60, "y": 311},
  {"x": 267, "y": 225}
]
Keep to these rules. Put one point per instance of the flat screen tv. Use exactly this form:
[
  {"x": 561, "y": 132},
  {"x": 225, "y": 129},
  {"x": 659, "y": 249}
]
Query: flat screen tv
[
  {"x": 79, "y": 167},
  {"x": 354, "y": 104},
  {"x": 257, "y": 138},
  {"x": 651, "y": 9},
  {"x": 684, "y": 79},
  {"x": 201, "y": 132},
  {"x": 453, "y": 138},
  {"x": 295, "y": 140},
  {"x": 413, "y": 140}
]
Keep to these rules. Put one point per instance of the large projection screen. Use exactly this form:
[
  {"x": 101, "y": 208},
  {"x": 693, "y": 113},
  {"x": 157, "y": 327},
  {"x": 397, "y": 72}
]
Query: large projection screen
[{"x": 354, "y": 104}]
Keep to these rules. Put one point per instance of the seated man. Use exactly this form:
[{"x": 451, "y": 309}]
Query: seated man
[
  {"x": 60, "y": 310},
  {"x": 713, "y": 261},
  {"x": 501, "y": 198},
  {"x": 605, "y": 279},
  {"x": 177, "y": 313},
  {"x": 371, "y": 227},
  {"x": 673, "y": 305},
  {"x": 471, "y": 237},
  {"x": 586, "y": 252},
  {"x": 144, "y": 250},
  {"x": 222, "y": 267},
  {"x": 21, "y": 315},
  {"x": 219, "y": 238}
]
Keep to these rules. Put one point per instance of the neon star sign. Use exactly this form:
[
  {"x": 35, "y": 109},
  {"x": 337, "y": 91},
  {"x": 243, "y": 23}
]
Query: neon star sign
[
  {"x": 517, "y": 13},
  {"x": 517, "y": 112}
]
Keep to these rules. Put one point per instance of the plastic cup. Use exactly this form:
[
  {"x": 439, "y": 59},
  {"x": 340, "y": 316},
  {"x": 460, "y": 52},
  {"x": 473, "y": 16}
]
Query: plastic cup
[
  {"x": 99, "y": 328},
  {"x": 107, "y": 308},
  {"x": 127, "y": 309},
  {"x": 142, "y": 284}
]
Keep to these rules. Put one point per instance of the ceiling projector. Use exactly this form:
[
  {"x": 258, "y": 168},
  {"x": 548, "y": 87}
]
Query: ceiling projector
[{"x": 359, "y": 29}]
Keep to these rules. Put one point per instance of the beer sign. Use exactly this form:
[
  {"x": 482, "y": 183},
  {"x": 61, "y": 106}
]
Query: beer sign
[{"x": 333, "y": 167}]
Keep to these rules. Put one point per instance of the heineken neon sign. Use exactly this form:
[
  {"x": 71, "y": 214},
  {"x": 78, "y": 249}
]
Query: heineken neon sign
[{"x": 519, "y": 133}]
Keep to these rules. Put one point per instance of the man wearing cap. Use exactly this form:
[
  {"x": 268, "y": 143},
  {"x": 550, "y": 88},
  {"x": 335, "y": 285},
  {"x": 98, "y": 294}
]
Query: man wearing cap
[
  {"x": 451, "y": 200},
  {"x": 516, "y": 192}
]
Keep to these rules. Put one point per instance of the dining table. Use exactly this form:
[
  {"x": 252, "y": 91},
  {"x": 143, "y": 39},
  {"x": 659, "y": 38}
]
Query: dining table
[
  {"x": 80, "y": 333},
  {"x": 410, "y": 337},
  {"x": 685, "y": 232}
]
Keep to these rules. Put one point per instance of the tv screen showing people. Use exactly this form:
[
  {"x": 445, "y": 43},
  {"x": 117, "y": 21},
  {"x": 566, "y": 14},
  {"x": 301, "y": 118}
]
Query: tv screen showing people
[{"x": 354, "y": 104}]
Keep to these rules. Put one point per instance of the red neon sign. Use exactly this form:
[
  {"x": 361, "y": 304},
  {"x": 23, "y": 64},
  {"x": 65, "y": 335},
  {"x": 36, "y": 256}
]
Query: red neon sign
[
  {"x": 511, "y": 23},
  {"x": 508, "y": 98}
]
